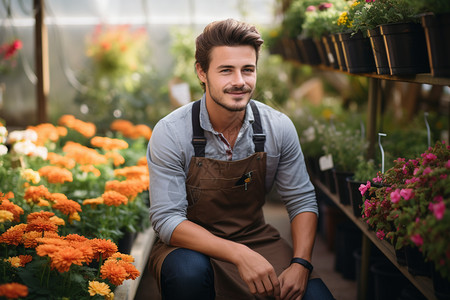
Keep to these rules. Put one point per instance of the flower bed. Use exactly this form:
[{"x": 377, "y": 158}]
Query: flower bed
[{"x": 67, "y": 197}]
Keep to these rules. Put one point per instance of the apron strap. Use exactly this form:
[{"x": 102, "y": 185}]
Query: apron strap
[
  {"x": 259, "y": 138},
  {"x": 198, "y": 135}
]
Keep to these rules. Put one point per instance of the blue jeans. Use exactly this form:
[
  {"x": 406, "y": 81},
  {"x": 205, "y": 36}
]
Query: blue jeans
[{"x": 188, "y": 275}]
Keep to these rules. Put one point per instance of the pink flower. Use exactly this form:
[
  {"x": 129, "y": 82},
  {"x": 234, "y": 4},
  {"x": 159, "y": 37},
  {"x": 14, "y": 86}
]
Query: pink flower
[
  {"x": 417, "y": 239},
  {"x": 395, "y": 196},
  {"x": 447, "y": 165},
  {"x": 377, "y": 179},
  {"x": 416, "y": 170},
  {"x": 311, "y": 8},
  {"x": 427, "y": 171},
  {"x": 438, "y": 209},
  {"x": 363, "y": 188},
  {"x": 325, "y": 6},
  {"x": 380, "y": 234},
  {"x": 368, "y": 1},
  {"x": 438, "y": 198},
  {"x": 407, "y": 193},
  {"x": 443, "y": 176},
  {"x": 429, "y": 157}
]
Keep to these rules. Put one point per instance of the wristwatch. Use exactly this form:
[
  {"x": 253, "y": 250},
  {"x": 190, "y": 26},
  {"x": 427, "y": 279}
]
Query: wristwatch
[{"x": 303, "y": 262}]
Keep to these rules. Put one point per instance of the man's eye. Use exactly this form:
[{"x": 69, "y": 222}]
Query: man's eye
[
  {"x": 225, "y": 71},
  {"x": 249, "y": 70}
]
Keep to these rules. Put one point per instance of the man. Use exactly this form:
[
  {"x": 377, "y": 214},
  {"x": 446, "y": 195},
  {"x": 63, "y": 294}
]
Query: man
[{"x": 211, "y": 163}]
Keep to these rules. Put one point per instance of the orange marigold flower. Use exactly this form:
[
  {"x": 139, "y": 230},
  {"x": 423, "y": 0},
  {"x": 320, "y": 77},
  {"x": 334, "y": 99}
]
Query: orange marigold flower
[
  {"x": 114, "y": 272},
  {"x": 56, "y": 174},
  {"x": 36, "y": 193},
  {"x": 55, "y": 197},
  {"x": 130, "y": 188},
  {"x": 41, "y": 225},
  {"x": 66, "y": 257},
  {"x": 85, "y": 128},
  {"x": 120, "y": 256},
  {"x": 104, "y": 247},
  {"x": 90, "y": 168},
  {"x": 32, "y": 239},
  {"x": 16, "y": 210},
  {"x": 8, "y": 195},
  {"x": 67, "y": 206},
  {"x": 83, "y": 155},
  {"x": 133, "y": 172},
  {"x": 85, "y": 248},
  {"x": 142, "y": 130},
  {"x": 13, "y": 290},
  {"x": 93, "y": 202},
  {"x": 98, "y": 288},
  {"x": 46, "y": 249},
  {"x": 133, "y": 273},
  {"x": 62, "y": 131},
  {"x": 61, "y": 161},
  {"x": 115, "y": 157},
  {"x": 142, "y": 161},
  {"x": 40, "y": 214},
  {"x": 24, "y": 259},
  {"x": 121, "y": 125},
  {"x": 73, "y": 237},
  {"x": 13, "y": 236},
  {"x": 46, "y": 132},
  {"x": 108, "y": 143},
  {"x": 111, "y": 198}
]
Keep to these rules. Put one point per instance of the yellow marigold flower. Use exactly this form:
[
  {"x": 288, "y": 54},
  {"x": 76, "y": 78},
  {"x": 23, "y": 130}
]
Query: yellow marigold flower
[
  {"x": 110, "y": 296},
  {"x": 43, "y": 203},
  {"x": 13, "y": 290},
  {"x": 31, "y": 175},
  {"x": 56, "y": 174},
  {"x": 93, "y": 202},
  {"x": 58, "y": 221},
  {"x": 91, "y": 169},
  {"x": 98, "y": 288},
  {"x": 6, "y": 216},
  {"x": 14, "y": 261},
  {"x": 354, "y": 4},
  {"x": 74, "y": 217}
]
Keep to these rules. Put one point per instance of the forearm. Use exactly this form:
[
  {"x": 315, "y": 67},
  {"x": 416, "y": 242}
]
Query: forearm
[
  {"x": 303, "y": 230},
  {"x": 192, "y": 236}
]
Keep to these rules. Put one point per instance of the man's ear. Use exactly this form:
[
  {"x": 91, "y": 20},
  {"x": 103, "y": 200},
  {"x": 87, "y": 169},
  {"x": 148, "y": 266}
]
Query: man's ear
[{"x": 200, "y": 73}]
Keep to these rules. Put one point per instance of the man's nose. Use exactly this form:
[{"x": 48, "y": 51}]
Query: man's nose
[{"x": 238, "y": 79}]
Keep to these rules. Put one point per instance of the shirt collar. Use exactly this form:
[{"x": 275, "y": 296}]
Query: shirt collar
[{"x": 205, "y": 122}]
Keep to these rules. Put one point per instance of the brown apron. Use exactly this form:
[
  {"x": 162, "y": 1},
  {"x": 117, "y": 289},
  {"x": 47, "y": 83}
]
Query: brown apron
[{"x": 226, "y": 198}]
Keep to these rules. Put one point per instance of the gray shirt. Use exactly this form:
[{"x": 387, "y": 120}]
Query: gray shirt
[{"x": 170, "y": 151}]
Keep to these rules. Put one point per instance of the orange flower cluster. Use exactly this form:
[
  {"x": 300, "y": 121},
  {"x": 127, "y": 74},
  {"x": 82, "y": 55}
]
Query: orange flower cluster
[
  {"x": 108, "y": 143},
  {"x": 36, "y": 194},
  {"x": 91, "y": 169},
  {"x": 130, "y": 187},
  {"x": 119, "y": 268},
  {"x": 93, "y": 202},
  {"x": 64, "y": 205},
  {"x": 115, "y": 157},
  {"x": 61, "y": 161},
  {"x": 87, "y": 129},
  {"x": 113, "y": 198},
  {"x": 56, "y": 174},
  {"x": 142, "y": 161},
  {"x": 133, "y": 172},
  {"x": 13, "y": 290},
  {"x": 130, "y": 130},
  {"x": 48, "y": 132},
  {"x": 83, "y": 155},
  {"x": 7, "y": 205},
  {"x": 19, "y": 261}
]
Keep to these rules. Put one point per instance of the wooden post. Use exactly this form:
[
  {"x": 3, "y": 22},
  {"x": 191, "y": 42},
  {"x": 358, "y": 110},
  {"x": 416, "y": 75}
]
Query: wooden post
[{"x": 41, "y": 60}]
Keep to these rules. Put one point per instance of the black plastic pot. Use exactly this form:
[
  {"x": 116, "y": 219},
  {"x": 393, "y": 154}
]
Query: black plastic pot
[
  {"x": 322, "y": 52},
  {"x": 330, "y": 51},
  {"x": 355, "y": 195},
  {"x": 388, "y": 281},
  {"x": 379, "y": 50},
  {"x": 339, "y": 51},
  {"x": 357, "y": 52},
  {"x": 406, "y": 48},
  {"x": 342, "y": 186},
  {"x": 309, "y": 51},
  {"x": 416, "y": 262},
  {"x": 437, "y": 34}
]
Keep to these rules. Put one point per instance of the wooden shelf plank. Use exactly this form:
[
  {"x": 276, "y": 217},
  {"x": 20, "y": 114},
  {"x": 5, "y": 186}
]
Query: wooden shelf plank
[{"x": 422, "y": 283}]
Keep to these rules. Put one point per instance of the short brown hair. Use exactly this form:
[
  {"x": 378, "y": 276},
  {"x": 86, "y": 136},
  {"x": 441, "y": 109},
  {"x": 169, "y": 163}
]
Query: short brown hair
[{"x": 228, "y": 32}]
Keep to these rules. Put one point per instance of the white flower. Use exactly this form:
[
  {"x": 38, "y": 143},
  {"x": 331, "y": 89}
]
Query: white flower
[
  {"x": 3, "y": 134},
  {"x": 3, "y": 150},
  {"x": 24, "y": 148},
  {"x": 40, "y": 151},
  {"x": 22, "y": 135},
  {"x": 309, "y": 134}
]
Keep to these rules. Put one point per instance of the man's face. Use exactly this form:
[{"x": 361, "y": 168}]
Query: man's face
[{"x": 231, "y": 77}]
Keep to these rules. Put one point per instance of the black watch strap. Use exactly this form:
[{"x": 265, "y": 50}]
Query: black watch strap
[{"x": 303, "y": 262}]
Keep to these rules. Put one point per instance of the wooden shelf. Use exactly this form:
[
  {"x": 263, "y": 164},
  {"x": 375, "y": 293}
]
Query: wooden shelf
[
  {"x": 423, "y": 284},
  {"x": 424, "y": 78}
]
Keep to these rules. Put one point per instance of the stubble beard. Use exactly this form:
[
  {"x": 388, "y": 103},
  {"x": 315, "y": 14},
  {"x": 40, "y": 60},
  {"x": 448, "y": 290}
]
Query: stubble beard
[{"x": 228, "y": 90}]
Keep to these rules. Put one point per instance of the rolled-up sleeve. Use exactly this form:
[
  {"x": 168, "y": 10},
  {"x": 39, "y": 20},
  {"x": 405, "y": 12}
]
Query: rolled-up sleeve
[
  {"x": 168, "y": 202},
  {"x": 292, "y": 179}
]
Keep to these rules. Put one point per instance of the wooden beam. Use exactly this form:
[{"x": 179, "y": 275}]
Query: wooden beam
[{"x": 41, "y": 60}]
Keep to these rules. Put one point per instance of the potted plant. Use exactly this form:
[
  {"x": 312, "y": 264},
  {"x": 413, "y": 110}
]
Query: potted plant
[
  {"x": 356, "y": 46},
  {"x": 435, "y": 17}
]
